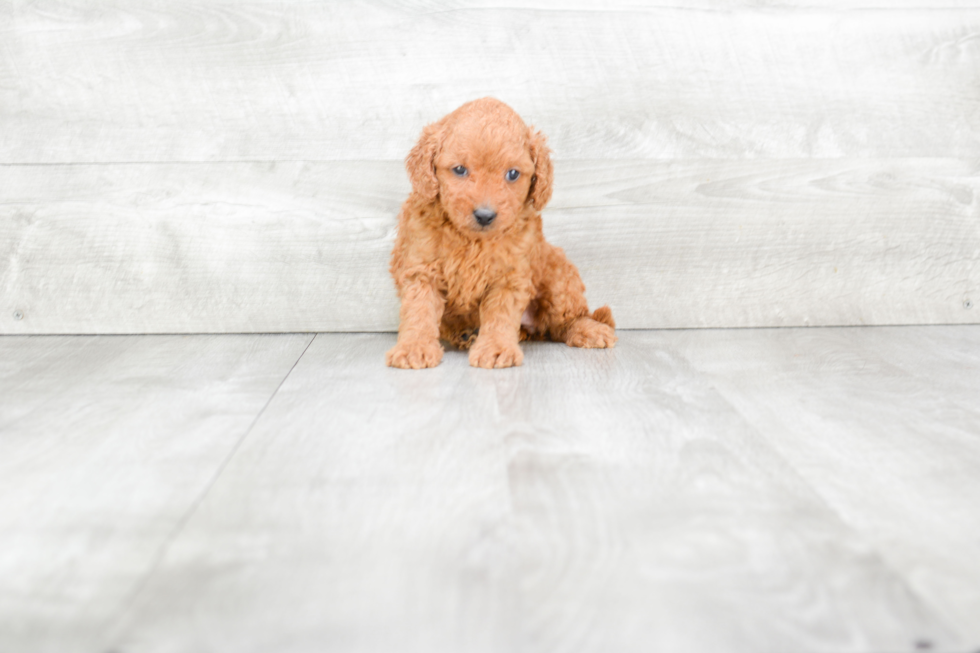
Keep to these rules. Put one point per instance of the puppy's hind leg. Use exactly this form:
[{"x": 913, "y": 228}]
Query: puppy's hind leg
[
  {"x": 597, "y": 331},
  {"x": 459, "y": 336},
  {"x": 562, "y": 311}
]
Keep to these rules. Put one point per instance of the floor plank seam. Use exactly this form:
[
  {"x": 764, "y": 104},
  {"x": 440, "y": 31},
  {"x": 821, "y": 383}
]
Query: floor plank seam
[{"x": 126, "y": 605}]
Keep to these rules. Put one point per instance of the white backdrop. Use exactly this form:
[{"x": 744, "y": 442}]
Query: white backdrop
[{"x": 235, "y": 165}]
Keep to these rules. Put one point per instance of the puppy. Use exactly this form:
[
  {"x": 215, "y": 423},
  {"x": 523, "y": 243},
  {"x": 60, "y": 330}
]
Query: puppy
[{"x": 470, "y": 261}]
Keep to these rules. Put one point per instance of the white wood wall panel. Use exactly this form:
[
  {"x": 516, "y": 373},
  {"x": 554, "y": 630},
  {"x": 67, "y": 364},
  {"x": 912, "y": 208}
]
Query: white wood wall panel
[
  {"x": 235, "y": 166},
  {"x": 304, "y": 246},
  {"x": 259, "y": 80}
]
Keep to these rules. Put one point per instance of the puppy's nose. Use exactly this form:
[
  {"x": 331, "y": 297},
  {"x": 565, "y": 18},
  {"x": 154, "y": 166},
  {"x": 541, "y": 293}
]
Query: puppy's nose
[{"x": 484, "y": 216}]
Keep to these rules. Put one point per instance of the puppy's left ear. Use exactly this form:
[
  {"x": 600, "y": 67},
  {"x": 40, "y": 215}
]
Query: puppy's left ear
[{"x": 540, "y": 191}]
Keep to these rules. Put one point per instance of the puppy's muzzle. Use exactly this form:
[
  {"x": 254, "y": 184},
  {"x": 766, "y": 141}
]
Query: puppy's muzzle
[{"x": 484, "y": 216}]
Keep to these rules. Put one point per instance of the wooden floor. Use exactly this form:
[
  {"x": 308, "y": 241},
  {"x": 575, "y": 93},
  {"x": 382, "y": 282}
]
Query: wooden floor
[{"x": 713, "y": 490}]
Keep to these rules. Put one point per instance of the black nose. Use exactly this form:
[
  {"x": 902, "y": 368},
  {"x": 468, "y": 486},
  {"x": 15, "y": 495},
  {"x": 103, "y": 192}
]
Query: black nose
[{"x": 484, "y": 216}]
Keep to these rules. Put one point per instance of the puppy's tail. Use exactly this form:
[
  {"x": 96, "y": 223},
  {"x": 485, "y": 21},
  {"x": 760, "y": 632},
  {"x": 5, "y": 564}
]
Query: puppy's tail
[{"x": 604, "y": 315}]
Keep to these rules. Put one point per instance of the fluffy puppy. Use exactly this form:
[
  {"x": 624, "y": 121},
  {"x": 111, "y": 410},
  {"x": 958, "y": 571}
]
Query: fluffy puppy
[{"x": 470, "y": 261}]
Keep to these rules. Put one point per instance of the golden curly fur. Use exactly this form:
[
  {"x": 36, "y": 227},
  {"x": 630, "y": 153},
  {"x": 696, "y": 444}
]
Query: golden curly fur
[{"x": 470, "y": 261}]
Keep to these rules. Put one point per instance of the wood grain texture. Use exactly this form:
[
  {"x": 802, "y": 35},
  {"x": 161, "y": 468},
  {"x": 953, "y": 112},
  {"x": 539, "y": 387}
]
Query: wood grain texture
[
  {"x": 854, "y": 411},
  {"x": 286, "y": 247},
  {"x": 702, "y": 5},
  {"x": 106, "y": 443},
  {"x": 588, "y": 501},
  {"x": 260, "y": 80}
]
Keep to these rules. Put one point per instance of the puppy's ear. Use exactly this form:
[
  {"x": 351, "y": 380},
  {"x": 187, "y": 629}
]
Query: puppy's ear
[
  {"x": 420, "y": 162},
  {"x": 540, "y": 191}
]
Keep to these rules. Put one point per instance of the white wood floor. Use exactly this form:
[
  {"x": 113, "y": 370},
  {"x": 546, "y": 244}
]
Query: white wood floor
[{"x": 741, "y": 490}]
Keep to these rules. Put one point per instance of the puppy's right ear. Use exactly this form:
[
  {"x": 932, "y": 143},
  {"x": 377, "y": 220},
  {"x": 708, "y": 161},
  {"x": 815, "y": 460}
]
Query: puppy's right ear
[{"x": 421, "y": 162}]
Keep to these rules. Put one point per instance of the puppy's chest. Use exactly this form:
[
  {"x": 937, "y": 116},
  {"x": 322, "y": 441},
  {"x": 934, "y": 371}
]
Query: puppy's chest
[{"x": 470, "y": 270}]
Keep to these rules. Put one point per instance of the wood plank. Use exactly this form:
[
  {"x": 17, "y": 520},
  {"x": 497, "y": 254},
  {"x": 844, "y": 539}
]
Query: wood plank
[
  {"x": 777, "y": 243},
  {"x": 885, "y": 425},
  {"x": 155, "y": 248},
  {"x": 287, "y": 247},
  {"x": 588, "y": 501},
  {"x": 259, "y": 80},
  {"x": 106, "y": 443},
  {"x": 702, "y": 5}
]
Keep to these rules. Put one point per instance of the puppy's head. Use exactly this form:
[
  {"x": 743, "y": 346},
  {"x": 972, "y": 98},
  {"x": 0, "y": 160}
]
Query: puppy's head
[{"x": 483, "y": 165}]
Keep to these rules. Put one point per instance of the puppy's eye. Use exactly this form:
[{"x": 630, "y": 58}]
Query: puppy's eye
[
  {"x": 459, "y": 171},
  {"x": 513, "y": 174}
]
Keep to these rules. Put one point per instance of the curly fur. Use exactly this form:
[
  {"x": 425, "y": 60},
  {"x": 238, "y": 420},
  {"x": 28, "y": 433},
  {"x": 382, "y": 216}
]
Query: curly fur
[{"x": 484, "y": 287}]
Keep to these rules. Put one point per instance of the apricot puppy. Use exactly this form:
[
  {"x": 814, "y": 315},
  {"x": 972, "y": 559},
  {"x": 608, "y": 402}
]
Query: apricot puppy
[{"x": 470, "y": 261}]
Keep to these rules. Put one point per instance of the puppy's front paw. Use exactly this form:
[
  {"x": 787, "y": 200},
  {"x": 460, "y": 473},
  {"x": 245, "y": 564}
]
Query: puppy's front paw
[
  {"x": 490, "y": 353},
  {"x": 588, "y": 333},
  {"x": 414, "y": 355}
]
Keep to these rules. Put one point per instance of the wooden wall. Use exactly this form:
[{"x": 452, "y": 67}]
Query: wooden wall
[{"x": 235, "y": 165}]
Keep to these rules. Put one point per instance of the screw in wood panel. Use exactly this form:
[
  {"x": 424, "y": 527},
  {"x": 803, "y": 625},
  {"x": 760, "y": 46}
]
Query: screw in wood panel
[
  {"x": 18, "y": 315},
  {"x": 967, "y": 304}
]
